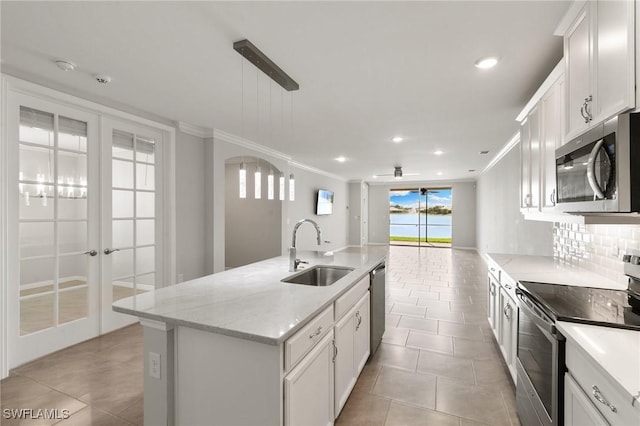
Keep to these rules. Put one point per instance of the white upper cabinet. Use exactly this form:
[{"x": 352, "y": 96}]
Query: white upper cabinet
[{"x": 599, "y": 50}]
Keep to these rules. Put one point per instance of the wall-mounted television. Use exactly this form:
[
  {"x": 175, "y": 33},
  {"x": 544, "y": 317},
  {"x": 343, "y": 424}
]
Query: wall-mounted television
[{"x": 324, "y": 204}]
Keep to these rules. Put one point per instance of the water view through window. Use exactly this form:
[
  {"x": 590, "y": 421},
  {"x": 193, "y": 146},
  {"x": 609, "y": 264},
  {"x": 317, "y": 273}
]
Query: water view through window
[{"x": 420, "y": 217}]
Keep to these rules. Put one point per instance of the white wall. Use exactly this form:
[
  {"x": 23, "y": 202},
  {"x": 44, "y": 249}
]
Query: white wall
[
  {"x": 501, "y": 228},
  {"x": 190, "y": 209},
  {"x": 463, "y": 207},
  {"x": 334, "y": 227},
  {"x": 355, "y": 214},
  {"x": 253, "y": 228}
]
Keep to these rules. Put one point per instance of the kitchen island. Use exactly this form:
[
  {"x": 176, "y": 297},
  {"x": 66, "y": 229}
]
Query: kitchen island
[{"x": 220, "y": 349}]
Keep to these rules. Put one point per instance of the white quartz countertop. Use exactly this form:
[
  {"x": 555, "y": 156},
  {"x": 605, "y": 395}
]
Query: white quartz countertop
[
  {"x": 545, "y": 269},
  {"x": 251, "y": 302},
  {"x": 614, "y": 349}
]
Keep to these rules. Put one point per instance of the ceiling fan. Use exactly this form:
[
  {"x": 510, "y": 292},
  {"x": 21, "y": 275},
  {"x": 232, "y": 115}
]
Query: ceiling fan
[{"x": 397, "y": 173}]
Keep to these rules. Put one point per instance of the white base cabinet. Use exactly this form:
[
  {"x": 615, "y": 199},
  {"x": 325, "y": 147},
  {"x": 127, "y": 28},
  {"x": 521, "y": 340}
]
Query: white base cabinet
[
  {"x": 578, "y": 410},
  {"x": 352, "y": 350},
  {"x": 308, "y": 388}
]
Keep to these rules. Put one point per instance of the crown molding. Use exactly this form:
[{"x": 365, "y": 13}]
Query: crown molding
[
  {"x": 504, "y": 151},
  {"x": 553, "y": 76},
  {"x": 193, "y": 130},
  {"x": 569, "y": 17},
  {"x": 246, "y": 143},
  {"x": 316, "y": 171}
]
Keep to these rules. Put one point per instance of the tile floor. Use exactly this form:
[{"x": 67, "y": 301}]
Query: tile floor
[{"x": 437, "y": 365}]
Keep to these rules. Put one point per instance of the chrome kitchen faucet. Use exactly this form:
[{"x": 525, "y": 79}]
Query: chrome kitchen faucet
[{"x": 293, "y": 261}]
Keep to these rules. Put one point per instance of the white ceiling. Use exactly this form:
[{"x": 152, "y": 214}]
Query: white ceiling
[{"x": 367, "y": 71}]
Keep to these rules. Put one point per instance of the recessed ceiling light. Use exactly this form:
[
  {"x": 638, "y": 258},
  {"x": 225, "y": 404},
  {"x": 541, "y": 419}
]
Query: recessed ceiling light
[
  {"x": 438, "y": 152},
  {"x": 486, "y": 63},
  {"x": 341, "y": 159},
  {"x": 397, "y": 139},
  {"x": 484, "y": 152},
  {"x": 65, "y": 65},
  {"x": 472, "y": 170},
  {"x": 439, "y": 173}
]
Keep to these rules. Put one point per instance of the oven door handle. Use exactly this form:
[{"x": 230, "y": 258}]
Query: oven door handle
[
  {"x": 542, "y": 323},
  {"x": 591, "y": 170}
]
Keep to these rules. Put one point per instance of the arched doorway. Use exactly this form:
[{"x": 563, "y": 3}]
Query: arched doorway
[{"x": 253, "y": 227}]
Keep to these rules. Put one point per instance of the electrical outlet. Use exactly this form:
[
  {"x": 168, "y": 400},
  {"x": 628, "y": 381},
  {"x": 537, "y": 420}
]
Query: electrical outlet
[
  {"x": 615, "y": 250},
  {"x": 154, "y": 365},
  {"x": 180, "y": 278}
]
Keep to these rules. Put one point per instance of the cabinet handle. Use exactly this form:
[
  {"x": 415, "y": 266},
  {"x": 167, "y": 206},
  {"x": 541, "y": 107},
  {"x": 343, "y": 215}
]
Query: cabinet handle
[
  {"x": 507, "y": 311},
  {"x": 359, "y": 320},
  {"x": 553, "y": 197},
  {"x": 598, "y": 395},
  {"x": 492, "y": 289},
  {"x": 587, "y": 101},
  {"x": 508, "y": 286},
  {"x": 316, "y": 333},
  {"x": 583, "y": 110},
  {"x": 335, "y": 350}
]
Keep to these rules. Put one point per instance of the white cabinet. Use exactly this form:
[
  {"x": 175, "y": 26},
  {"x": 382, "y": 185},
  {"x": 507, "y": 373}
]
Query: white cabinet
[
  {"x": 494, "y": 301},
  {"x": 352, "y": 350},
  {"x": 604, "y": 394},
  {"x": 308, "y": 388},
  {"x": 551, "y": 139},
  {"x": 578, "y": 410},
  {"x": 508, "y": 331},
  {"x": 540, "y": 135},
  {"x": 599, "y": 49},
  {"x": 503, "y": 315}
]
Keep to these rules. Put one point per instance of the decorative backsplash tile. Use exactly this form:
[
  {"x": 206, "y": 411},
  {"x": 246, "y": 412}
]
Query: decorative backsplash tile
[{"x": 598, "y": 248}]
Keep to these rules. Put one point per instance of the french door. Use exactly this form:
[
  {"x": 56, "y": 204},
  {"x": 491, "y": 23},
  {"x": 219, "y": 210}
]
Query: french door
[
  {"x": 83, "y": 223},
  {"x": 131, "y": 226}
]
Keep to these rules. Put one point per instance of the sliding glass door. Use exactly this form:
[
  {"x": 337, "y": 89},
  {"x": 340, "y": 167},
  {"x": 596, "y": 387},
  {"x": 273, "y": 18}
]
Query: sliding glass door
[{"x": 420, "y": 217}]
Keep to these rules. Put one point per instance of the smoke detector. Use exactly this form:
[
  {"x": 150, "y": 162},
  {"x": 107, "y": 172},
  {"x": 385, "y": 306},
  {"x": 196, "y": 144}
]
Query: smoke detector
[
  {"x": 65, "y": 65},
  {"x": 103, "y": 79}
]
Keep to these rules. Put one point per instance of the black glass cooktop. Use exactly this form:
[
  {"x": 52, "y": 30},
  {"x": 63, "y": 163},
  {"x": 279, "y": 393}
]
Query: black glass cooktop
[{"x": 584, "y": 304}]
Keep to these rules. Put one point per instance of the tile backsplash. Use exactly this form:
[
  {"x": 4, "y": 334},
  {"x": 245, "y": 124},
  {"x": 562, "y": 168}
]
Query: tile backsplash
[{"x": 598, "y": 248}]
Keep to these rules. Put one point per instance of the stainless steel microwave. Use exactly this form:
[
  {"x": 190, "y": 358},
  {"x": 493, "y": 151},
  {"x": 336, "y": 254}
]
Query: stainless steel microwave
[{"x": 599, "y": 171}]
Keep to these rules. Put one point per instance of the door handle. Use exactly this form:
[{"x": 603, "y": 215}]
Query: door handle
[
  {"x": 91, "y": 252},
  {"x": 591, "y": 170},
  {"x": 109, "y": 251}
]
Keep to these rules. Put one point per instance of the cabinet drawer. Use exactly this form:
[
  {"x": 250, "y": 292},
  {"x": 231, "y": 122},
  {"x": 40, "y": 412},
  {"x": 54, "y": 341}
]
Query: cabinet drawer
[
  {"x": 596, "y": 384},
  {"x": 300, "y": 343},
  {"x": 494, "y": 269},
  {"x": 347, "y": 300}
]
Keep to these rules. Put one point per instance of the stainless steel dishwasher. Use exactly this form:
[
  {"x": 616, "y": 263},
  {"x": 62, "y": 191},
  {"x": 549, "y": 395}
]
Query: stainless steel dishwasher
[{"x": 378, "y": 291}]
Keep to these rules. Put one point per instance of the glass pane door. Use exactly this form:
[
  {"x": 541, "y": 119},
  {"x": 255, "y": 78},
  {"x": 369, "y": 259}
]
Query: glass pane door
[
  {"x": 131, "y": 238},
  {"x": 56, "y": 276},
  {"x": 406, "y": 227},
  {"x": 438, "y": 217}
]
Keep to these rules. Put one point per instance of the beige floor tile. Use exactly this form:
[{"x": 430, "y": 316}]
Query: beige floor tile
[
  {"x": 18, "y": 392},
  {"x": 425, "y": 295},
  {"x": 491, "y": 371},
  {"x": 395, "y": 356},
  {"x": 446, "y": 366},
  {"x": 410, "y": 387},
  {"x": 396, "y": 336},
  {"x": 94, "y": 417},
  {"x": 135, "y": 413},
  {"x": 466, "y": 331},
  {"x": 363, "y": 410},
  {"x": 440, "y": 305},
  {"x": 367, "y": 378},
  {"x": 409, "y": 310},
  {"x": 404, "y": 415},
  {"x": 444, "y": 315},
  {"x": 392, "y": 320},
  {"x": 418, "y": 324},
  {"x": 473, "y": 402},
  {"x": 474, "y": 349},
  {"x": 432, "y": 342}
]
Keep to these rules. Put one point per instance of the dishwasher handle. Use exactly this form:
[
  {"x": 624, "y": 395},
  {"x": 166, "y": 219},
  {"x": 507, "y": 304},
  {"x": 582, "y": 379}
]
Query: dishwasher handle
[{"x": 380, "y": 269}]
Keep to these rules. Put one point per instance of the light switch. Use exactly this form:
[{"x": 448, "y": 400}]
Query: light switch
[{"x": 154, "y": 365}]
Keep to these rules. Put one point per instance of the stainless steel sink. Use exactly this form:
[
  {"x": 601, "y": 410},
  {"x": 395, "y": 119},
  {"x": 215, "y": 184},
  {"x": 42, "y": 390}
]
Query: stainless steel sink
[{"x": 319, "y": 275}]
